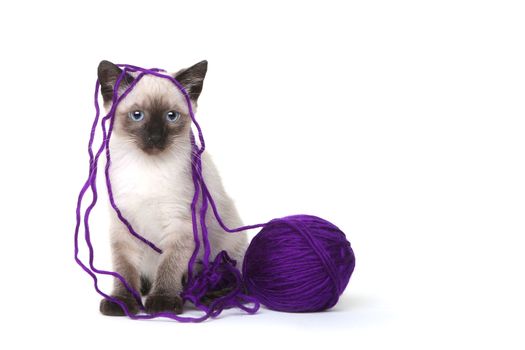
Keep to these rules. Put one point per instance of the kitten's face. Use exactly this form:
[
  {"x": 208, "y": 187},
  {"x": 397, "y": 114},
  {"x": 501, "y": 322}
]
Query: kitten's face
[{"x": 154, "y": 115}]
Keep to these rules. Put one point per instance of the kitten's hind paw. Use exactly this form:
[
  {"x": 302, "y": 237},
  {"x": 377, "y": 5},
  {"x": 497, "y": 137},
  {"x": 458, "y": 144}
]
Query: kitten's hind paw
[
  {"x": 163, "y": 303},
  {"x": 211, "y": 296},
  {"x": 110, "y": 308}
]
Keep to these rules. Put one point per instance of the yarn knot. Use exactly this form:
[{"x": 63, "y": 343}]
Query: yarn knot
[{"x": 218, "y": 286}]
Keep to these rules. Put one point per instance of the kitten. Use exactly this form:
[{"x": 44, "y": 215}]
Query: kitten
[{"x": 152, "y": 184}]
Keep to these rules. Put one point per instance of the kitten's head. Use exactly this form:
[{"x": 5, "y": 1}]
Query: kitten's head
[{"x": 154, "y": 115}]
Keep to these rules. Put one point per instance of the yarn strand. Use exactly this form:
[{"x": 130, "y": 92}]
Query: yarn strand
[{"x": 221, "y": 266}]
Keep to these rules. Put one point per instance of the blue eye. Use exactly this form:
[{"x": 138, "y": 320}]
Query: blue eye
[
  {"x": 172, "y": 116},
  {"x": 136, "y": 116}
]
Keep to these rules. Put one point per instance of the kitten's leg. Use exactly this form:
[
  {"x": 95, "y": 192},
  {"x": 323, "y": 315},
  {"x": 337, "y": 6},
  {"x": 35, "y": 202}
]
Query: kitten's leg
[
  {"x": 122, "y": 264},
  {"x": 165, "y": 294}
]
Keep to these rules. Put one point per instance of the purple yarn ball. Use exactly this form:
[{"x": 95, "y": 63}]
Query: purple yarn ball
[{"x": 298, "y": 263}]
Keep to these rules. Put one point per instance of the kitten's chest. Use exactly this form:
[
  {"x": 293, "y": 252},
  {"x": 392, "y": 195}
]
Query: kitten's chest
[{"x": 153, "y": 197}]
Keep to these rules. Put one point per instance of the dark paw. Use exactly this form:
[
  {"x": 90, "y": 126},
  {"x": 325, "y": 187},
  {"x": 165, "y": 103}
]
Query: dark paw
[
  {"x": 110, "y": 308},
  {"x": 211, "y": 296},
  {"x": 163, "y": 303}
]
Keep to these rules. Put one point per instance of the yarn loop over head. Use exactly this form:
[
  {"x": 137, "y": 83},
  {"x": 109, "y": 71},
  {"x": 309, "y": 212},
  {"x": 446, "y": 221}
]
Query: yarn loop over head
[{"x": 221, "y": 267}]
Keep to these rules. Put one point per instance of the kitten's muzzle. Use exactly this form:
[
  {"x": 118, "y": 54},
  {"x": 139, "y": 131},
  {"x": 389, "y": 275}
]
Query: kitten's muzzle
[
  {"x": 155, "y": 141},
  {"x": 155, "y": 138}
]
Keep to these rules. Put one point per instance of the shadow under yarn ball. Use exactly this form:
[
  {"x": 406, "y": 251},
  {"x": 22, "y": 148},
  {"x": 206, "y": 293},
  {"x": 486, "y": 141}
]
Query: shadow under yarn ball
[{"x": 298, "y": 263}]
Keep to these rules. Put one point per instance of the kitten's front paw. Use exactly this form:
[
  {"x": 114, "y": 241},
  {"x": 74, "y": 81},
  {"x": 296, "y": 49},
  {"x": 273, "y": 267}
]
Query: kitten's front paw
[
  {"x": 110, "y": 308},
  {"x": 163, "y": 303}
]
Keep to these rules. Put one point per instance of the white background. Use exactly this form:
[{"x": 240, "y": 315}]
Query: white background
[{"x": 401, "y": 122}]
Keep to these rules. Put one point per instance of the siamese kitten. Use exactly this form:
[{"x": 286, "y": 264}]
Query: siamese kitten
[{"x": 152, "y": 184}]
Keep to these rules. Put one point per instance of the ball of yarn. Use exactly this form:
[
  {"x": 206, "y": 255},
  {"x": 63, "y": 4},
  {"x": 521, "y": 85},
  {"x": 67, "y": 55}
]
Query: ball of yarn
[{"x": 298, "y": 263}]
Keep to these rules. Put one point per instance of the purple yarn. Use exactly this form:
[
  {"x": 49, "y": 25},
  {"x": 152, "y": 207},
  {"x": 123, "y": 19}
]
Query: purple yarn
[
  {"x": 222, "y": 272},
  {"x": 221, "y": 269},
  {"x": 299, "y": 263}
]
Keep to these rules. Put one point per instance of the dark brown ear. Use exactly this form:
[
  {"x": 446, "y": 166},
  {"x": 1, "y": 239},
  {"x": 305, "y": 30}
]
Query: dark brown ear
[
  {"x": 192, "y": 78},
  {"x": 108, "y": 74}
]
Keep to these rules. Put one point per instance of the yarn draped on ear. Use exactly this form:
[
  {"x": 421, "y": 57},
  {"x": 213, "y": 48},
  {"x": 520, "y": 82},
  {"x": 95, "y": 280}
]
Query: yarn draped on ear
[{"x": 296, "y": 264}]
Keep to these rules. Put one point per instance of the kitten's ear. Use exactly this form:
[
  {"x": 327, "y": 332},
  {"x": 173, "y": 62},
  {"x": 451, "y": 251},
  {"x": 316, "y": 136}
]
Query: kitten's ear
[
  {"x": 192, "y": 78},
  {"x": 108, "y": 74}
]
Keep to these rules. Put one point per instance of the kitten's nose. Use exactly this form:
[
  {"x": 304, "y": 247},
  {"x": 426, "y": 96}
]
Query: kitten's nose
[{"x": 155, "y": 138}]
